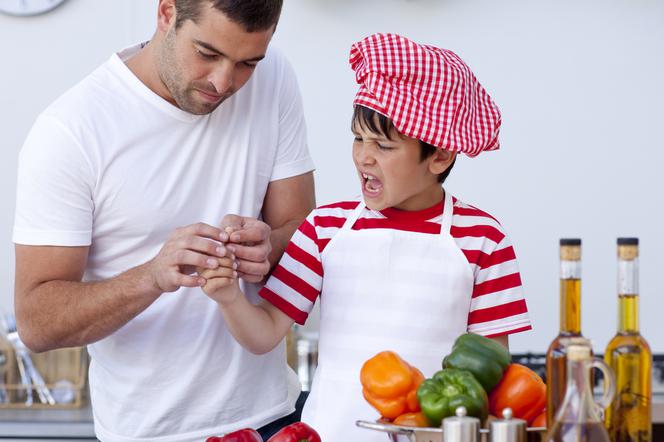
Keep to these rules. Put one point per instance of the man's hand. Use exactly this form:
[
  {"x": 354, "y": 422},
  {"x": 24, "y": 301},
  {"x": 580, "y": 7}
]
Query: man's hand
[
  {"x": 249, "y": 240},
  {"x": 196, "y": 245}
]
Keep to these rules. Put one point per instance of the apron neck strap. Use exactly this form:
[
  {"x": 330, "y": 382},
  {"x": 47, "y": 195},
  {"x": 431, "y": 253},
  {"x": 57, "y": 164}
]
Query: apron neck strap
[
  {"x": 448, "y": 209},
  {"x": 354, "y": 216},
  {"x": 446, "y": 222}
]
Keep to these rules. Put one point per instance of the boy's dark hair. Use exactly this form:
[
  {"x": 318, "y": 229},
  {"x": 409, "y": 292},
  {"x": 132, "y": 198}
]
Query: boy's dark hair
[
  {"x": 253, "y": 15},
  {"x": 379, "y": 124}
]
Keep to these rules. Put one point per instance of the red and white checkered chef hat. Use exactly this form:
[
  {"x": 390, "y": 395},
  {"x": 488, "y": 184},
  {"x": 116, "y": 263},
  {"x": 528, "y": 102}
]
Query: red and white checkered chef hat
[{"x": 429, "y": 93}]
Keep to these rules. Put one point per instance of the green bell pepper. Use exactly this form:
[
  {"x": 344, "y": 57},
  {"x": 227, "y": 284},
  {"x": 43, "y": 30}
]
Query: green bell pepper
[
  {"x": 486, "y": 359},
  {"x": 448, "y": 389}
]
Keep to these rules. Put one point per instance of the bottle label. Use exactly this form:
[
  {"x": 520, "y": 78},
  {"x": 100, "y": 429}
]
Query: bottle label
[{"x": 628, "y": 277}]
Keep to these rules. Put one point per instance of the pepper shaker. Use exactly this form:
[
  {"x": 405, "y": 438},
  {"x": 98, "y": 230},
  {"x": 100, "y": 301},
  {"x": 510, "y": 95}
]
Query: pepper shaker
[
  {"x": 461, "y": 428},
  {"x": 508, "y": 429}
]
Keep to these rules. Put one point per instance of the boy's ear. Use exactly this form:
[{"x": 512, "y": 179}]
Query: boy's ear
[{"x": 440, "y": 161}]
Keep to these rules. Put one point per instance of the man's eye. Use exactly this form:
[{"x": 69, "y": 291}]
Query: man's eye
[{"x": 206, "y": 55}]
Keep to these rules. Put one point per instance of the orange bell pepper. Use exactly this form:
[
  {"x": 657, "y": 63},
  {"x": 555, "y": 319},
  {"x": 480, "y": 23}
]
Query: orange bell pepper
[
  {"x": 520, "y": 389},
  {"x": 390, "y": 384},
  {"x": 417, "y": 419}
]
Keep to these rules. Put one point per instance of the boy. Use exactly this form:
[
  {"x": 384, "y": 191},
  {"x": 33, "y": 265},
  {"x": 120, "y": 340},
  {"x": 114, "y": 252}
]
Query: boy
[{"x": 408, "y": 268}]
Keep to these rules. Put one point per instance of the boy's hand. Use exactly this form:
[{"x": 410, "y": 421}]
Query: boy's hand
[
  {"x": 221, "y": 284},
  {"x": 249, "y": 239}
]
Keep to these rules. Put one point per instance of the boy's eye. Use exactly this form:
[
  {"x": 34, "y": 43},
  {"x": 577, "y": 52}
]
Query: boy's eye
[
  {"x": 357, "y": 139},
  {"x": 250, "y": 64},
  {"x": 381, "y": 147}
]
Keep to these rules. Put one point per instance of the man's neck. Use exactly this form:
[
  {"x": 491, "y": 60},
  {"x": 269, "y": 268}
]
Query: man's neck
[{"x": 144, "y": 66}]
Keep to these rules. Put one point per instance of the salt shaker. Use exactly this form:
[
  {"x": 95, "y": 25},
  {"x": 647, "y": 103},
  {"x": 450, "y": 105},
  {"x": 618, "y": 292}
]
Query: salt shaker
[
  {"x": 508, "y": 429},
  {"x": 461, "y": 428}
]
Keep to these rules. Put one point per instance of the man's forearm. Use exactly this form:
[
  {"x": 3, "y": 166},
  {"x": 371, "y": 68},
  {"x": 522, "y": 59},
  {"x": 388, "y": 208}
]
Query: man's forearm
[
  {"x": 279, "y": 238},
  {"x": 58, "y": 314},
  {"x": 287, "y": 203}
]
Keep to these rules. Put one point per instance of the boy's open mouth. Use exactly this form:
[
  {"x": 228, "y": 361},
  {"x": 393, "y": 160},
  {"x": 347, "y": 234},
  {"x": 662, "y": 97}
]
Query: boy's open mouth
[{"x": 372, "y": 185}]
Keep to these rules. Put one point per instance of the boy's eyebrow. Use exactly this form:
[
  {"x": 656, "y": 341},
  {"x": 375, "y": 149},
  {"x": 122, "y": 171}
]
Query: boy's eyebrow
[
  {"x": 211, "y": 48},
  {"x": 373, "y": 136}
]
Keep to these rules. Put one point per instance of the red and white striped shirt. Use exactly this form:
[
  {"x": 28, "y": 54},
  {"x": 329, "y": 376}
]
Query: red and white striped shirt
[{"x": 497, "y": 306}]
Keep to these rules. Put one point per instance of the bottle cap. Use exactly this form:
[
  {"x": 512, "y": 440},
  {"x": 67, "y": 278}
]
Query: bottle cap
[
  {"x": 570, "y": 249},
  {"x": 628, "y": 241}
]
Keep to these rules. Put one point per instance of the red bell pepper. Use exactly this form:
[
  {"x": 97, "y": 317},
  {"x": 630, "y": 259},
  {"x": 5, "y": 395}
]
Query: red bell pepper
[
  {"x": 520, "y": 389},
  {"x": 244, "y": 435},
  {"x": 297, "y": 432}
]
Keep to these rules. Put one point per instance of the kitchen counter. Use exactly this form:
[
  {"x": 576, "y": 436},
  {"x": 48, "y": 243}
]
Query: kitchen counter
[
  {"x": 39, "y": 424},
  {"x": 76, "y": 424}
]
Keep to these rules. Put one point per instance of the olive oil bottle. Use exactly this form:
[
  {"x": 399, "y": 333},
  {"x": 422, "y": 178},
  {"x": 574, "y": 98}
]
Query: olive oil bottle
[
  {"x": 629, "y": 418},
  {"x": 570, "y": 324}
]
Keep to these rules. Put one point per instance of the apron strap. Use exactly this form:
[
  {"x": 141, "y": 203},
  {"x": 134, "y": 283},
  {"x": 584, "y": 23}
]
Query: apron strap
[
  {"x": 448, "y": 208},
  {"x": 354, "y": 216}
]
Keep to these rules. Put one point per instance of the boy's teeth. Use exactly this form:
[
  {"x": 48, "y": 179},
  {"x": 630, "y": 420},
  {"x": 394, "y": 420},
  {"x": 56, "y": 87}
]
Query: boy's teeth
[{"x": 373, "y": 185}]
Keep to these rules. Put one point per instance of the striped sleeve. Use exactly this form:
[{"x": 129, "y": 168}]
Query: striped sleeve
[
  {"x": 296, "y": 281},
  {"x": 498, "y": 306}
]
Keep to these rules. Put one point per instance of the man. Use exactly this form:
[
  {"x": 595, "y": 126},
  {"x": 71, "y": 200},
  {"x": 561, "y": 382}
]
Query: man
[{"x": 123, "y": 183}]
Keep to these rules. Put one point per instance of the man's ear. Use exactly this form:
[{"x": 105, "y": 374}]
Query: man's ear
[
  {"x": 165, "y": 15},
  {"x": 440, "y": 161}
]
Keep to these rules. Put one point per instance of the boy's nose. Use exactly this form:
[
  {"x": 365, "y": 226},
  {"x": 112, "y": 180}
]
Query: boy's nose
[{"x": 363, "y": 155}]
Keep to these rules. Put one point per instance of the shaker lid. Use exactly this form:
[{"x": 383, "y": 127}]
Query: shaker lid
[
  {"x": 461, "y": 427},
  {"x": 508, "y": 429}
]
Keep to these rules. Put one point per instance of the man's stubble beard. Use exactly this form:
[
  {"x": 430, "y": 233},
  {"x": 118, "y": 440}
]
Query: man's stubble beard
[{"x": 170, "y": 73}]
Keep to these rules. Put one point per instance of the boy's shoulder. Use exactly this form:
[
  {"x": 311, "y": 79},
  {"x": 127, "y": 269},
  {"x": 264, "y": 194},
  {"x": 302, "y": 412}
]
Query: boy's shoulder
[
  {"x": 462, "y": 209},
  {"x": 473, "y": 223}
]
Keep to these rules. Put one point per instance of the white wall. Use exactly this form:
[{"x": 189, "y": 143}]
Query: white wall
[{"x": 579, "y": 84}]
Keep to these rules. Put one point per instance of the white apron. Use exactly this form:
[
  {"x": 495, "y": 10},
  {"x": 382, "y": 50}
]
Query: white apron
[{"x": 383, "y": 289}]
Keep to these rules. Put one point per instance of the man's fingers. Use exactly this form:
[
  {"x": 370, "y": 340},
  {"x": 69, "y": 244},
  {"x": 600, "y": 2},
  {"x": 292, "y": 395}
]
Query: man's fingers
[
  {"x": 250, "y": 253},
  {"x": 190, "y": 258},
  {"x": 258, "y": 269},
  {"x": 256, "y": 234},
  {"x": 250, "y": 278},
  {"x": 206, "y": 246},
  {"x": 188, "y": 281},
  {"x": 199, "y": 229},
  {"x": 229, "y": 224}
]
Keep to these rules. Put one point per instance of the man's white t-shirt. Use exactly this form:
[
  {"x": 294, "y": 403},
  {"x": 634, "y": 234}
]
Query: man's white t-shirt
[{"x": 113, "y": 166}]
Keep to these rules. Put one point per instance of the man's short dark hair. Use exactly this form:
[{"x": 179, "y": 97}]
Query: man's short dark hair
[
  {"x": 253, "y": 15},
  {"x": 379, "y": 124}
]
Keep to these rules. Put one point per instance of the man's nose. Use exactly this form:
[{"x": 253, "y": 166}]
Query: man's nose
[{"x": 222, "y": 77}]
